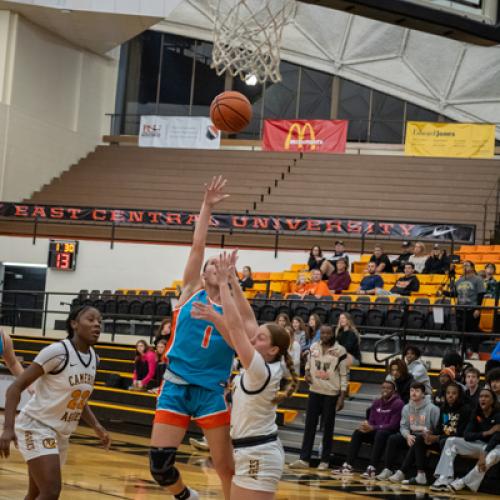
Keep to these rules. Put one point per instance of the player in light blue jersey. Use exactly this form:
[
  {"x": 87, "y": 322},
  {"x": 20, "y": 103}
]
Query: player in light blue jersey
[
  {"x": 200, "y": 358},
  {"x": 7, "y": 353}
]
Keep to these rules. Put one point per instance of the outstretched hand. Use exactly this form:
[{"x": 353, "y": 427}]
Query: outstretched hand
[
  {"x": 214, "y": 191},
  {"x": 224, "y": 267},
  {"x": 204, "y": 311}
]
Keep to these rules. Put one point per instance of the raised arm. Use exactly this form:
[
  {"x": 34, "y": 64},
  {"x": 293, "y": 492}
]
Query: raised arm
[
  {"x": 9, "y": 356},
  {"x": 213, "y": 195}
]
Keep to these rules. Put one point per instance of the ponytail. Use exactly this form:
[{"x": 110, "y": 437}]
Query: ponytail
[{"x": 292, "y": 384}]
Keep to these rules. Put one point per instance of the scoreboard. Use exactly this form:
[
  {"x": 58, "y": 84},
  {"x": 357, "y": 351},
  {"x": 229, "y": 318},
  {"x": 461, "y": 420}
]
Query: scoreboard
[{"x": 62, "y": 255}]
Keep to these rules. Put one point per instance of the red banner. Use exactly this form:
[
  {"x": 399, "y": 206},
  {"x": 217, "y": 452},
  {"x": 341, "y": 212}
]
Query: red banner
[{"x": 318, "y": 136}]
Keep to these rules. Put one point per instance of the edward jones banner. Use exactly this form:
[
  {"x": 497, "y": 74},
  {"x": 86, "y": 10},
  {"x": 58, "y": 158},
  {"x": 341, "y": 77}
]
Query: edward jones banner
[
  {"x": 193, "y": 132},
  {"x": 454, "y": 140},
  {"x": 317, "y": 136}
]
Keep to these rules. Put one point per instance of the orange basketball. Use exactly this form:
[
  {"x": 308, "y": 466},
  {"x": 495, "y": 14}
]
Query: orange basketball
[{"x": 231, "y": 111}]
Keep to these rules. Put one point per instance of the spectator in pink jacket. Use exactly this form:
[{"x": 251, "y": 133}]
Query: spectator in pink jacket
[{"x": 144, "y": 366}]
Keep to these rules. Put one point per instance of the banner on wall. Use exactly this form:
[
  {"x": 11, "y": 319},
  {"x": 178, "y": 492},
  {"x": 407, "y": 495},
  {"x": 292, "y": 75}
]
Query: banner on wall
[
  {"x": 318, "y": 136},
  {"x": 454, "y": 140},
  {"x": 460, "y": 233},
  {"x": 192, "y": 132}
]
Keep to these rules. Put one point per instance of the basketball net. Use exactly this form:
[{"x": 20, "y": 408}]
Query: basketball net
[{"x": 247, "y": 37}]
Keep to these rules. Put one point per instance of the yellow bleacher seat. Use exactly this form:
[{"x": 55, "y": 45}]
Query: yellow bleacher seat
[
  {"x": 276, "y": 276},
  {"x": 277, "y": 286},
  {"x": 428, "y": 289},
  {"x": 260, "y": 287},
  {"x": 359, "y": 267},
  {"x": 261, "y": 276},
  {"x": 365, "y": 258},
  {"x": 290, "y": 275},
  {"x": 356, "y": 277},
  {"x": 299, "y": 267},
  {"x": 390, "y": 278},
  {"x": 487, "y": 316}
]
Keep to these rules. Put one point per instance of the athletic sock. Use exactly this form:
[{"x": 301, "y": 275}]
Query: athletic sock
[
  {"x": 185, "y": 493},
  {"x": 421, "y": 478}
]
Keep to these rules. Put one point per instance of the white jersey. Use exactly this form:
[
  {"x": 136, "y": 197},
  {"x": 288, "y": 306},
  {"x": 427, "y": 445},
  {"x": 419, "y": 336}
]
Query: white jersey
[
  {"x": 253, "y": 413},
  {"x": 63, "y": 390}
]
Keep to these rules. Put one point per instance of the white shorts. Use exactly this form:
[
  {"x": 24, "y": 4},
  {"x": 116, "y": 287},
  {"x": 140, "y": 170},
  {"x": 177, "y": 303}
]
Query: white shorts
[
  {"x": 259, "y": 468},
  {"x": 35, "y": 439}
]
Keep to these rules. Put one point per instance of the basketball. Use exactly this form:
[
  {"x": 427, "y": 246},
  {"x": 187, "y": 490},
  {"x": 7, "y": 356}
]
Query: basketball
[{"x": 231, "y": 111}]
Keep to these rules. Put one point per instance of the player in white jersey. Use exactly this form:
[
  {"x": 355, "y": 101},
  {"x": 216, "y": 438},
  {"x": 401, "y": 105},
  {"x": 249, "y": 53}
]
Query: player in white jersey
[
  {"x": 64, "y": 373},
  {"x": 258, "y": 454}
]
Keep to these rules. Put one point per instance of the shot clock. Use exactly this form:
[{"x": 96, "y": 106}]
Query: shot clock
[{"x": 62, "y": 255}]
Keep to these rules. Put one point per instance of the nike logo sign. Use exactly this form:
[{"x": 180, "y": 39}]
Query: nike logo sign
[{"x": 440, "y": 232}]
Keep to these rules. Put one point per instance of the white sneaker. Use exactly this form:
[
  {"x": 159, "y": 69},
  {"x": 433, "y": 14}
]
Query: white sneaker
[
  {"x": 397, "y": 477},
  {"x": 345, "y": 470},
  {"x": 441, "y": 483},
  {"x": 323, "y": 466},
  {"x": 299, "y": 464},
  {"x": 193, "y": 494},
  {"x": 384, "y": 475},
  {"x": 369, "y": 473},
  {"x": 456, "y": 485},
  {"x": 199, "y": 444}
]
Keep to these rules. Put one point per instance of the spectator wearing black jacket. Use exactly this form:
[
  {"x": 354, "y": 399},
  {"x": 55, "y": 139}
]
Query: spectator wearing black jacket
[
  {"x": 381, "y": 260},
  {"x": 398, "y": 264},
  {"x": 481, "y": 440},
  {"x": 398, "y": 373},
  {"x": 408, "y": 283},
  {"x": 437, "y": 262},
  {"x": 316, "y": 258},
  {"x": 472, "y": 386},
  {"x": 246, "y": 281},
  {"x": 347, "y": 335}
]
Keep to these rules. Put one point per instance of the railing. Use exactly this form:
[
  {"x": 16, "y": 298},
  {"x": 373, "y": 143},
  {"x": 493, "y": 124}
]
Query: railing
[{"x": 492, "y": 200}]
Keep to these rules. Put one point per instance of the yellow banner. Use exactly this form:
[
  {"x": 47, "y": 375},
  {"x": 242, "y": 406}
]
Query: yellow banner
[{"x": 455, "y": 140}]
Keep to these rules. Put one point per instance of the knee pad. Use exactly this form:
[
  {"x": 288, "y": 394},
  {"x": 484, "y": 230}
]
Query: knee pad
[{"x": 161, "y": 465}]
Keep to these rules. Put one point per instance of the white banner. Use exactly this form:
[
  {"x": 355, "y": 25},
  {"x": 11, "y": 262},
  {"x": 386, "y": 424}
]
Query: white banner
[{"x": 192, "y": 132}]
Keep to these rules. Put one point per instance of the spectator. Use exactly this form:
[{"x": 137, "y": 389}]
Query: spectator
[
  {"x": 383, "y": 421},
  {"x": 317, "y": 287},
  {"x": 418, "y": 257},
  {"x": 491, "y": 285},
  {"x": 493, "y": 381},
  {"x": 437, "y": 262},
  {"x": 347, "y": 335},
  {"x": 340, "y": 279},
  {"x": 316, "y": 260},
  {"x": 300, "y": 286},
  {"x": 446, "y": 377},
  {"x": 398, "y": 264},
  {"x": 454, "y": 360},
  {"x": 246, "y": 281},
  {"x": 481, "y": 438},
  {"x": 282, "y": 320},
  {"x": 327, "y": 374},
  {"x": 418, "y": 416},
  {"x": 293, "y": 350},
  {"x": 144, "y": 366},
  {"x": 494, "y": 361},
  {"x": 299, "y": 331},
  {"x": 416, "y": 367},
  {"x": 314, "y": 324},
  {"x": 370, "y": 283},
  {"x": 381, "y": 260},
  {"x": 408, "y": 283},
  {"x": 398, "y": 373},
  {"x": 472, "y": 388},
  {"x": 161, "y": 366},
  {"x": 163, "y": 332},
  {"x": 469, "y": 290},
  {"x": 339, "y": 253}
]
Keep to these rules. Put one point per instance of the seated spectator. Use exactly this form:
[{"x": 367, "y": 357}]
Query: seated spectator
[
  {"x": 317, "y": 287},
  {"x": 383, "y": 421},
  {"x": 317, "y": 260},
  {"x": 416, "y": 367},
  {"x": 294, "y": 351},
  {"x": 408, "y": 283},
  {"x": 340, "y": 279},
  {"x": 398, "y": 264},
  {"x": 418, "y": 257},
  {"x": 144, "y": 366},
  {"x": 163, "y": 332},
  {"x": 339, "y": 253},
  {"x": 454, "y": 360},
  {"x": 299, "y": 331},
  {"x": 491, "y": 285},
  {"x": 347, "y": 335},
  {"x": 246, "y": 281},
  {"x": 398, "y": 373},
  {"x": 381, "y": 260},
  {"x": 446, "y": 377},
  {"x": 493, "y": 381},
  {"x": 481, "y": 440},
  {"x": 314, "y": 324},
  {"x": 282, "y": 320},
  {"x": 437, "y": 262},
  {"x": 300, "y": 286},
  {"x": 370, "y": 283},
  {"x": 418, "y": 417},
  {"x": 472, "y": 387},
  {"x": 161, "y": 366}
]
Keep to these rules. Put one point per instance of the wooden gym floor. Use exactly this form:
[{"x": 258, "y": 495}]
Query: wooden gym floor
[{"x": 123, "y": 473}]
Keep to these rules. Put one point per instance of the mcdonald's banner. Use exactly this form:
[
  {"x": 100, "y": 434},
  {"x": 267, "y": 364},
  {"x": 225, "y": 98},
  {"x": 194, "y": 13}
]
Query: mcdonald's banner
[
  {"x": 454, "y": 140},
  {"x": 317, "y": 136}
]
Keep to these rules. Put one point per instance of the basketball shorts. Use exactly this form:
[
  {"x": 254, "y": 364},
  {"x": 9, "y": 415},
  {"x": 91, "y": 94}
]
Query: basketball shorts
[
  {"x": 179, "y": 404},
  {"x": 35, "y": 439},
  {"x": 259, "y": 467}
]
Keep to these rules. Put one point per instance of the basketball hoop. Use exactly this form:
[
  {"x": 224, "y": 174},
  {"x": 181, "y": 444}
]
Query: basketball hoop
[{"x": 247, "y": 37}]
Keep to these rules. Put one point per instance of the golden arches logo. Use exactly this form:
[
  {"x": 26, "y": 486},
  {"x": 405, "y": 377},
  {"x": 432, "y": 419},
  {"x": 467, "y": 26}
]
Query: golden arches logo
[{"x": 301, "y": 141}]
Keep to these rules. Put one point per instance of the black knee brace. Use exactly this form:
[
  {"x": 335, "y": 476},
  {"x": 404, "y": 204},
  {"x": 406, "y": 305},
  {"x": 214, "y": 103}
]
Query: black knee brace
[{"x": 161, "y": 465}]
